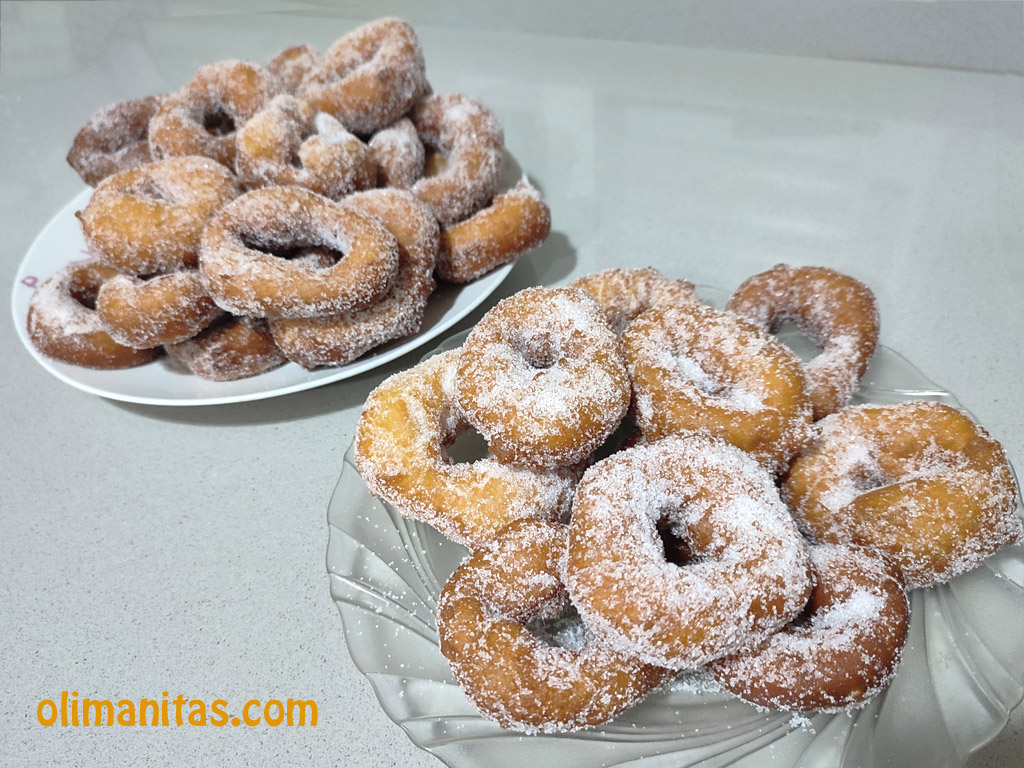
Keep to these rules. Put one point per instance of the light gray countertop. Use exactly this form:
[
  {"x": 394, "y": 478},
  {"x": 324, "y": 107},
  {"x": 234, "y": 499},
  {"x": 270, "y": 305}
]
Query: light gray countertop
[{"x": 146, "y": 549}]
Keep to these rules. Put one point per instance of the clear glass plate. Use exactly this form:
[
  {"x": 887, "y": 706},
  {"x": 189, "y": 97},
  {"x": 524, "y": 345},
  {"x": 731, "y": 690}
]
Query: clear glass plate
[
  {"x": 162, "y": 382},
  {"x": 962, "y": 670}
]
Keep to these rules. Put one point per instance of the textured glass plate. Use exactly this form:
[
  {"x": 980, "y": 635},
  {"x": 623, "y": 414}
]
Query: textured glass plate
[
  {"x": 162, "y": 382},
  {"x": 962, "y": 670}
]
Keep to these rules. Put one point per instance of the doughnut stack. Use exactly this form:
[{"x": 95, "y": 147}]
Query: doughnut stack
[
  {"x": 669, "y": 488},
  {"x": 301, "y": 210}
]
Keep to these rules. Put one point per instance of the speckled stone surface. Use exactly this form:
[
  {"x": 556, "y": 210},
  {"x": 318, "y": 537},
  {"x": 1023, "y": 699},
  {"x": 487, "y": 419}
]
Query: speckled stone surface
[{"x": 147, "y": 549}]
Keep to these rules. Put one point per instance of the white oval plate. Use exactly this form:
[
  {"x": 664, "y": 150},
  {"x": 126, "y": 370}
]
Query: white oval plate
[
  {"x": 162, "y": 382},
  {"x": 962, "y": 669}
]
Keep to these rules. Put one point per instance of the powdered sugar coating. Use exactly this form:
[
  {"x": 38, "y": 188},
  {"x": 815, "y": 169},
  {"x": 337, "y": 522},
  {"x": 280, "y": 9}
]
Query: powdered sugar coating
[
  {"x": 836, "y": 311},
  {"x": 696, "y": 368},
  {"x": 543, "y": 378},
  {"x": 62, "y": 322},
  {"x": 844, "y": 649},
  {"x": 229, "y": 349},
  {"x": 624, "y": 294},
  {"x": 244, "y": 275},
  {"x": 516, "y": 222},
  {"x": 400, "y": 450},
  {"x": 114, "y": 139},
  {"x": 202, "y": 117},
  {"x": 919, "y": 481},
  {"x": 289, "y": 144},
  {"x": 291, "y": 66},
  {"x": 470, "y": 137},
  {"x": 370, "y": 77},
  {"x": 512, "y": 675},
  {"x": 338, "y": 339},
  {"x": 399, "y": 154},
  {"x": 747, "y": 571}
]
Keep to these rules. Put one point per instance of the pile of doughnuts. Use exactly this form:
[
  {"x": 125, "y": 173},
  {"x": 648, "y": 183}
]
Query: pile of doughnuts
[
  {"x": 668, "y": 488},
  {"x": 302, "y": 210}
]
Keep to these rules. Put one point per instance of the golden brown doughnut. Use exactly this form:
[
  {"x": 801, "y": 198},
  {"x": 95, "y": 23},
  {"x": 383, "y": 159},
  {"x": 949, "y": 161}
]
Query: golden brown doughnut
[
  {"x": 241, "y": 247},
  {"x": 149, "y": 219},
  {"x": 511, "y": 674},
  {"x": 230, "y": 348},
  {"x": 202, "y": 117},
  {"x": 696, "y": 368},
  {"x": 837, "y": 312},
  {"x": 399, "y": 154},
  {"x": 624, "y": 294},
  {"x": 515, "y": 222},
  {"x": 287, "y": 144},
  {"x": 115, "y": 139},
  {"x": 339, "y": 339},
  {"x": 62, "y": 322},
  {"x": 843, "y": 649},
  {"x": 405, "y": 428},
  {"x": 919, "y": 481},
  {"x": 291, "y": 66},
  {"x": 471, "y": 139},
  {"x": 370, "y": 77},
  {"x": 159, "y": 310},
  {"x": 748, "y": 572},
  {"x": 542, "y": 377}
]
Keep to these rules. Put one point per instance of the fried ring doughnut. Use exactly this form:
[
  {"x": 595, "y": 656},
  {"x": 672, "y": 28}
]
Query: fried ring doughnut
[
  {"x": 841, "y": 652},
  {"x": 470, "y": 137},
  {"x": 243, "y": 273},
  {"x": 919, "y": 481},
  {"x": 291, "y": 66},
  {"x": 624, "y": 294},
  {"x": 149, "y": 219},
  {"x": 339, "y": 339},
  {"x": 511, "y": 674},
  {"x": 286, "y": 143},
  {"x": 62, "y": 322},
  {"x": 160, "y": 310},
  {"x": 230, "y": 348},
  {"x": 400, "y": 449},
  {"x": 542, "y": 377},
  {"x": 696, "y": 368},
  {"x": 202, "y": 117},
  {"x": 370, "y": 77},
  {"x": 399, "y": 154},
  {"x": 115, "y": 139},
  {"x": 837, "y": 312},
  {"x": 748, "y": 573},
  {"x": 515, "y": 222}
]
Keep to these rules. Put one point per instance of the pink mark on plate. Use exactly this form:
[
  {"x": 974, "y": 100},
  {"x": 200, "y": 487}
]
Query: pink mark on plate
[{"x": 32, "y": 281}]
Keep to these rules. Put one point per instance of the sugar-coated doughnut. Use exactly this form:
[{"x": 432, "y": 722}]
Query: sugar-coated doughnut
[
  {"x": 471, "y": 139},
  {"x": 287, "y": 143},
  {"x": 836, "y": 311},
  {"x": 230, "y": 348},
  {"x": 339, "y": 339},
  {"x": 748, "y": 571},
  {"x": 370, "y": 77},
  {"x": 399, "y": 154},
  {"x": 515, "y": 222},
  {"x": 164, "y": 309},
  {"x": 919, "y": 481},
  {"x": 115, "y": 139},
  {"x": 693, "y": 367},
  {"x": 405, "y": 428},
  {"x": 62, "y": 322},
  {"x": 202, "y": 118},
  {"x": 513, "y": 675},
  {"x": 542, "y": 377},
  {"x": 291, "y": 66},
  {"x": 624, "y": 294},
  {"x": 242, "y": 245},
  {"x": 150, "y": 219},
  {"x": 844, "y": 648}
]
